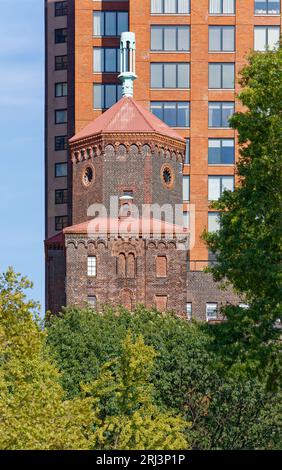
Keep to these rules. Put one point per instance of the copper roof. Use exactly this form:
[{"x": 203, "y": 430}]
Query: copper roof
[
  {"x": 126, "y": 226},
  {"x": 126, "y": 116}
]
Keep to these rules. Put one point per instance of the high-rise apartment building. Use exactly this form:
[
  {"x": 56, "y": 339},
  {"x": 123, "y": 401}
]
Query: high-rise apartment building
[{"x": 189, "y": 53}]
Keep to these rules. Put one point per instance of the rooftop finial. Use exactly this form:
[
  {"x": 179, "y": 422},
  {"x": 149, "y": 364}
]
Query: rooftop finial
[{"x": 127, "y": 63}]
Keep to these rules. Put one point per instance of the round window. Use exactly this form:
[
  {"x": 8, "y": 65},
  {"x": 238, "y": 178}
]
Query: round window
[
  {"x": 167, "y": 176},
  {"x": 88, "y": 176}
]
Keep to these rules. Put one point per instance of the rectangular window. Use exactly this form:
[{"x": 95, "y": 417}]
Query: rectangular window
[
  {"x": 221, "y": 151},
  {"x": 106, "y": 60},
  {"x": 61, "y": 170},
  {"x": 170, "y": 38},
  {"x": 61, "y": 143},
  {"x": 61, "y": 89},
  {"x": 170, "y": 75},
  {"x": 186, "y": 188},
  {"x": 211, "y": 311},
  {"x": 61, "y": 221},
  {"x": 213, "y": 221},
  {"x": 109, "y": 23},
  {"x": 221, "y": 75},
  {"x": 161, "y": 303},
  {"x": 222, "y": 7},
  {"x": 61, "y": 35},
  {"x": 219, "y": 184},
  {"x": 161, "y": 266},
  {"x": 174, "y": 114},
  {"x": 170, "y": 6},
  {"x": 186, "y": 219},
  {"x": 92, "y": 301},
  {"x": 220, "y": 112},
  {"x": 106, "y": 96},
  {"x": 266, "y": 37},
  {"x": 267, "y": 7},
  {"x": 61, "y": 62},
  {"x": 221, "y": 38},
  {"x": 61, "y": 196},
  {"x": 187, "y": 152},
  {"x": 189, "y": 310},
  {"x": 61, "y": 8},
  {"x": 91, "y": 266},
  {"x": 61, "y": 116}
]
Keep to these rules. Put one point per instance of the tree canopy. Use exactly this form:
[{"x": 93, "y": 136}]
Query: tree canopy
[{"x": 248, "y": 242}]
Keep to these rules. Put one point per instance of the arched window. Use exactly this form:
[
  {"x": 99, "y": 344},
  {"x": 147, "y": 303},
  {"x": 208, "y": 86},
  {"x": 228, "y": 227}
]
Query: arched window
[
  {"x": 121, "y": 265},
  {"x": 130, "y": 266}
]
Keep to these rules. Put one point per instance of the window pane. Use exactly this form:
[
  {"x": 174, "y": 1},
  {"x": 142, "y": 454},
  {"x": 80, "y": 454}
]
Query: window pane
[
  {"x": 214, "y": 151},
  {"x": 170, "y": 6},
  {"x": 169, "y": 39},
  {"x": 260, "y": 38},
  {"x": 228, "y": 34},
  {"x": 119, "y": 92},
  {"x": 110, "y": 95},
  {"x": 122, "y": 22},
  {"x": 183, "y": 76},
  {"x": 187, "y": 151},
  {"x": 214, "y": 76},
  {"x": 156, "y": 6},
  {"x": 98, "y": 60},
  {"x": 186, "y": 188},
  {"x": 98, "y": 97},
  {"x": 273, "y": 37},
  {"x": 183, "y": 38},
  {"x": 229, "y": 6},
  {"x": 183, "y": 115},
  {"x": 228, "y": 76},
  {"x": 214, "y": 188},
  {"x": 98, "y": 27},
  {"x": 156, "y": 39},
  {"x": 273, "y": 7},
  {"x": 156, "y": 75},
  {"x": 227, "y": 183},
  {"x": 213, "y": 222},
  {"x": 110, "y": 23},
  {"x": 170, "y": 114},
  {"x": 61, "y": 169},
  {"x": 227, "y": 112},
  {"x": 211, "y": 311},
  {"x": 214, "y": 115},
  {"x": 157, "y": 110},
  {"x": 110, "y": 60},
  {"x": 184, "y": 6},
  {"x": 169, "y": 75},
  {"x": 215, "y": 6},
  {"x": 227, "y": 155},
  {"x": 186, "y": 219},
  {"x": 214, "y": 38}
]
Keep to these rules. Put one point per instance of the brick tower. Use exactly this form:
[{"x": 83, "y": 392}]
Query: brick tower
[{"x": 127, "y": 245}]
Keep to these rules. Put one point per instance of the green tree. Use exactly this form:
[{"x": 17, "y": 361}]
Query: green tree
[
  {"x": 124, "y": 404},
  {"x": 33, "y": 412},
  {"x": 186, "y": 378},
  {"x": 248, "y": 243}
]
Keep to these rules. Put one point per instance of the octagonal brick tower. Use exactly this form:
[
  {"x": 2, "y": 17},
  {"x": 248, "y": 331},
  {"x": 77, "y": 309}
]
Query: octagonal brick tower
[{"x": 127, "y": 150}]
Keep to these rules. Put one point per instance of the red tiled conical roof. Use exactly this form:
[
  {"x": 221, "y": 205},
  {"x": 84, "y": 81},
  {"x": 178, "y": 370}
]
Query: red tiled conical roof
[{"x": 126, "y": 116}]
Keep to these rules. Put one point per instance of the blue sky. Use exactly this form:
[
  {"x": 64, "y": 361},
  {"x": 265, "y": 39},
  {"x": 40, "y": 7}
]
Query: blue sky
[{"x": 22, "y": 140}]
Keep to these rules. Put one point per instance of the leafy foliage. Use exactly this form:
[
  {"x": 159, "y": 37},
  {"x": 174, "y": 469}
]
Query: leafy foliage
[
  {"x": 225, "y": 411},
  {"x": 33, "y": 414},
  {"x": 128, "y": 418},
  {"x": 248, "y": 243}
]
